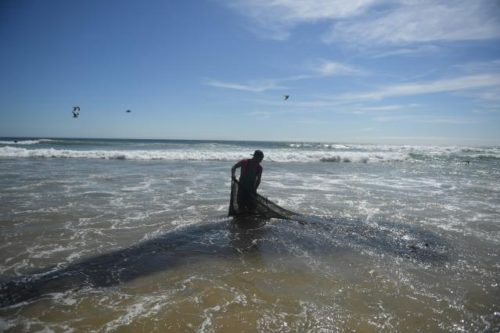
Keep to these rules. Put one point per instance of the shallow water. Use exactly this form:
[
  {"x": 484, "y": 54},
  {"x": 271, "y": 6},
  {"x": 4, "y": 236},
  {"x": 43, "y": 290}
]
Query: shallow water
[{"x": 118, "y": 244}]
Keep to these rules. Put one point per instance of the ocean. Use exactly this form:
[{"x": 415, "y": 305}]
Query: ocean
[{"x": 101, "y": 235}]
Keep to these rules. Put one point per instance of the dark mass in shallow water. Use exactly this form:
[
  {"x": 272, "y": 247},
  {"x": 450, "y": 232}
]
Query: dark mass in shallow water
[{"x": 227, "y": 238}]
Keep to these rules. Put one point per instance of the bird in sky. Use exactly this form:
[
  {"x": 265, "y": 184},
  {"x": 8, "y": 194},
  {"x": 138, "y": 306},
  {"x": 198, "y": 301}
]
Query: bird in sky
[
  {"x": 76, "y": 111},
  {"x": 285, "y": 97}
]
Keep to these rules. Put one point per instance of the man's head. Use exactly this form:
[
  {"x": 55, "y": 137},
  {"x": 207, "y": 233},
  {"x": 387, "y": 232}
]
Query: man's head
[{"x": 258, "y": 155}]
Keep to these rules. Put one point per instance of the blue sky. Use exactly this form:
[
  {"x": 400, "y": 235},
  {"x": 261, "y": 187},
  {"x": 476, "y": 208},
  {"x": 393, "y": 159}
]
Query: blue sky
[{"x": 386, "y": 71}]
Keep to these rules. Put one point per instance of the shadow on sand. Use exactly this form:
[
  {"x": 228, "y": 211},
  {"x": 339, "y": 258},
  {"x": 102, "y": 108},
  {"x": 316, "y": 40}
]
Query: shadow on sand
[{"x": 224, "y": 238}]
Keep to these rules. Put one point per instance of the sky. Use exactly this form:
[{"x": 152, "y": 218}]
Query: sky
[{"x": 358, "y": 71}]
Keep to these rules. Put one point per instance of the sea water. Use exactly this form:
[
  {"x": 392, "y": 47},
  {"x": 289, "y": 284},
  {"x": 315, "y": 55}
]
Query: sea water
[{"x": 133, "y": 236}]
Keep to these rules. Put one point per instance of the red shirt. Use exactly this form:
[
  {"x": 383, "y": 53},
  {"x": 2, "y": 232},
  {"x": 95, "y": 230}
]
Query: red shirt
[{"x": 249, "y": 167}]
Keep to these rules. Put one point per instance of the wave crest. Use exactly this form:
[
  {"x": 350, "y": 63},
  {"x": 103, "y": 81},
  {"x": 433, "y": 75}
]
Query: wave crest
[
  {"x": 278, "y": 155},
  {"x": 187, "y": 151}
]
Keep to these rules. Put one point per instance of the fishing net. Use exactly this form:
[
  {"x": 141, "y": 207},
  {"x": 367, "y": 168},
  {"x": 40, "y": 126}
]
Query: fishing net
[{"x": 264, "y": 207}]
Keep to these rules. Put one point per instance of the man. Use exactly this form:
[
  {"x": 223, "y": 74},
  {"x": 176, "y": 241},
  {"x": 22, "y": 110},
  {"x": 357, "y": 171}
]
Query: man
[{"x": 250, "y": 174}]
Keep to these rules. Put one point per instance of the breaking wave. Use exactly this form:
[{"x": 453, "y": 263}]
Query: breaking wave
[
  {"x": 278, "y": 155},
  {"x": 231, "y": 151}
]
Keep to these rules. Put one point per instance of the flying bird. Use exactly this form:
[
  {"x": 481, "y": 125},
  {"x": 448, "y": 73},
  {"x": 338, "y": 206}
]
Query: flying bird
[
  {"x": 76, "y": 111},
  {"x": 285, "y": 97},
  {"x": 128, "y": 111}
]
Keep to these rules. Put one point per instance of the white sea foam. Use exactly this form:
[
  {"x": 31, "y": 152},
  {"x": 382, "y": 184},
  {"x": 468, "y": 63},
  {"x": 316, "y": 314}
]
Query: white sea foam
[
  {"x": 48, "y": 251},
  {"x": 275, "y": 155},
  {"x": 293, "y": 152},
  {"x": 145, "y": 307}
]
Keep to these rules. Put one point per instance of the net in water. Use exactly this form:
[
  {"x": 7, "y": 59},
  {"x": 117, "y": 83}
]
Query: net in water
[{"x": 264, "y": 207}]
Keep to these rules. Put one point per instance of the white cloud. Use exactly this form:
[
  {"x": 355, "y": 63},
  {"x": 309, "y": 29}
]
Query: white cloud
[
  {"x": 275, "y": 18},
  {"x": 480, "y": 66},
  {"x": 413, "y": 51},
  {"x": 480, "y": 86},
  {"x": 486, "y": 95},
  {"x": 330, "y": 68},
  {"x": 321, "y": 69},
  {"x": 299, "y": 11},
  {"x": 487, "y": 109},
  {"x": 424, "y": 21},
  {"x": 382, "y": 108},
  {"x": 452, "y": 120},
  {"x": 463, "y": 83},
  {"x": 377, "y": 21},
  {"x": 260, "y": 86}
]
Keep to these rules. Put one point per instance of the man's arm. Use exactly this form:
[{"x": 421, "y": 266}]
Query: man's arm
[
  {"x": 257, "y": 182},
  {"x": 233, "y": 169}
]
